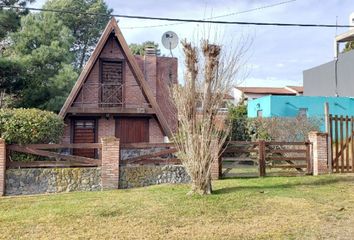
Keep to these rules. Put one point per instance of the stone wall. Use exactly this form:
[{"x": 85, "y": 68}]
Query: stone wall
[
  {"x": 136, "y": 152},
  {"x": 144, "y": 175},
  {"x": 52, "y": 180}
]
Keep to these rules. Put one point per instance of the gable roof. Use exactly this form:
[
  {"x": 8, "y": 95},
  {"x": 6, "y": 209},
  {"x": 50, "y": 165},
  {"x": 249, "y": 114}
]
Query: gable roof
[
  {"x": 112, "y": 27},
  {"x": 266, "y": 90},
  {"x": 296, "y": 89}
]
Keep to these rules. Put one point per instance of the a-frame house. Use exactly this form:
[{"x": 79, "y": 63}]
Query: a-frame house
[{"x": 119, "y": 94}]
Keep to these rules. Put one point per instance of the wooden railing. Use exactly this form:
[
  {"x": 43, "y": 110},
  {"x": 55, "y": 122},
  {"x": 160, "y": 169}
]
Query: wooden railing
[
  {"x": 55, "y": 159},
  {"x": 158, "y": 153}
]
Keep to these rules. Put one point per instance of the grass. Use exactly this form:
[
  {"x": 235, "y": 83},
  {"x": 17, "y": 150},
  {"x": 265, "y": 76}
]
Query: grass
[{"x": 254, "y": 208}]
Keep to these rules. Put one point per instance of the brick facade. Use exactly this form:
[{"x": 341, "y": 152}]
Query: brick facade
[
  {"x": 106, "y": 127},
  {"x": 110, "y": 163},
  {"x": 319, "y": 152},
  {"x": 2, "y": 166},
  {"x": 160, "y": 73}
]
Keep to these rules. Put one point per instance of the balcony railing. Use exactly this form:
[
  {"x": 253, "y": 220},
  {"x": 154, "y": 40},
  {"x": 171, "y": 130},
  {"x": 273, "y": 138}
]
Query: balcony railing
[{"x": 99, "y": 95}]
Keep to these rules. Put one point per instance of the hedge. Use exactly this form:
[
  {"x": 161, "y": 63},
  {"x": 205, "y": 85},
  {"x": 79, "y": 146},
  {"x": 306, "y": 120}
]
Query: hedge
[{"x": 25, "y": 126}]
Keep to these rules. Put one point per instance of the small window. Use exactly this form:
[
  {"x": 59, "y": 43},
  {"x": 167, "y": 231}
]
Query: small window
[
  {"x": 259, "y": 113},
  {"x": 302, "y": 112}
]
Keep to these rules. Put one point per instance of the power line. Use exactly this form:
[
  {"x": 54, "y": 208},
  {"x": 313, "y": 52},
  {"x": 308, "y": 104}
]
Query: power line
[
  {"x": 220, "y": 16},
  {"x": 180, "y": 19}
]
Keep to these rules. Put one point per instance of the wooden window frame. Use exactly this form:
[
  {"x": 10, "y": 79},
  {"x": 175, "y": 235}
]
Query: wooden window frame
[{"x": 72, "y": 130}]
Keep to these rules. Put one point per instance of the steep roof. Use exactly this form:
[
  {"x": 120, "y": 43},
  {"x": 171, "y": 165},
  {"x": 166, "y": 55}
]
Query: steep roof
[{"x": 112, "y": 27}]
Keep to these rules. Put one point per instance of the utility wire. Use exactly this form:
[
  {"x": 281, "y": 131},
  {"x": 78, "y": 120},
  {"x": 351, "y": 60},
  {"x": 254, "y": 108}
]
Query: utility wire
[
  {"x": 180, "y": 19},
  {"x": 220, "y": 16}
]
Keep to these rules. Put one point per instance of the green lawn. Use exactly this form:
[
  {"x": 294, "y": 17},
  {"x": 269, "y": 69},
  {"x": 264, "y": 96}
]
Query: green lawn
[{"x": 273, "y": 207}]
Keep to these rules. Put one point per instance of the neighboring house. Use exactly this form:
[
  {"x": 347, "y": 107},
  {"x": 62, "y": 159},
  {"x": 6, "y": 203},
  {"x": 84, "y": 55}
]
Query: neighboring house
[
  {"x": 293, "y": 106},
  {"x": 250, "y": 93},
  {"x": 118, "y": 94},
  {"x": 335, "y": 78}
]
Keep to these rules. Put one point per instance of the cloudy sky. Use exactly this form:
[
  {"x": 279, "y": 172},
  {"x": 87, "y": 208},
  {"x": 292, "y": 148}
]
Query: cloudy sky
[{"x": 277, "y": 55}]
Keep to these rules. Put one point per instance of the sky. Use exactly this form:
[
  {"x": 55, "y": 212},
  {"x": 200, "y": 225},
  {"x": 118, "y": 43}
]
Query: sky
[{"x": 277, "y": 56}]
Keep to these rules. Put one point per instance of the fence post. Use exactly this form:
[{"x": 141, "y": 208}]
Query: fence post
[
  {"x": 215, "y": 165},
  {"x": 319, "y": 152},
  {"x": 329, "y": 135},
  {"x": 2, "y": 166},
  {"x": 309, "y": 158},
  {"x": 110, "y": 163},
  {"x": 262, "y": 155}
]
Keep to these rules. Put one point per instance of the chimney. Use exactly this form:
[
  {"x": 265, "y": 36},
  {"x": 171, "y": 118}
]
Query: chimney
[{"x": 150, "y": 51}]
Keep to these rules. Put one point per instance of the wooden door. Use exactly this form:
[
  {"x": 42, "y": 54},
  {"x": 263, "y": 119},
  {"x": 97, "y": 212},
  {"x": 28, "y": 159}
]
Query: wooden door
[
  {"x": 341, "y": 136},
  {"x": 84, "y": 132},
  {"x": 132, "y": 129}
]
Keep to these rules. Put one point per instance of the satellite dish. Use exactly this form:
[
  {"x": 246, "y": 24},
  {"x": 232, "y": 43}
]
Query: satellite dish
[{"x": 169, "y": 40}]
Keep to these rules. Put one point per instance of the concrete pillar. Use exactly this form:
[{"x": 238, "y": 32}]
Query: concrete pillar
[
  {"x": 2, "y": 166},
  {"x": 110, "y": 163},
  {"x": 319, "y": 152}
]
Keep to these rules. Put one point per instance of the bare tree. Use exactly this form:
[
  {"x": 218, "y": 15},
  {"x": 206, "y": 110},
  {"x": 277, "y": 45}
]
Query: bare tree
[{"x": 210, "y": 73}]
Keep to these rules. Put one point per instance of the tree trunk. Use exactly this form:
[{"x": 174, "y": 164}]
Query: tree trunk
[{"x": 201, "y": 187}]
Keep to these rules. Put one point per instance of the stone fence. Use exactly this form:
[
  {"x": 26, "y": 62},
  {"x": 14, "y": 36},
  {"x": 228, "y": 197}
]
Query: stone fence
[{"x": 110, "y": 175}]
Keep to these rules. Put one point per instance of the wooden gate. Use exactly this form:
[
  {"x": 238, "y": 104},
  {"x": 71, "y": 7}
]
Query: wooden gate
[
  {"x": 267, "y": 158},
  {"x": 341, "y": 133}
]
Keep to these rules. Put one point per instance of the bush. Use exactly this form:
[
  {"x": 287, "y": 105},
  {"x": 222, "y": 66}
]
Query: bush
[
  {"x": 238, "y": 118},
  {"x": 283, "y": 129},
  {"x": 25, "y": 126}
]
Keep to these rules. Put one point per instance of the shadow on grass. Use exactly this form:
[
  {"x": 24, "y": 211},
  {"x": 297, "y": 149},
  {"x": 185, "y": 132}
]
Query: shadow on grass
[{"x": 269, "y": 185}]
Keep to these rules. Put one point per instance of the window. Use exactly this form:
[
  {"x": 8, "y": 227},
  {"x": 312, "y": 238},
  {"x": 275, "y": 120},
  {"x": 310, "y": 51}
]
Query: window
[
  {"x": 302, "y": 112},
  {"x": 112, "y": 79}
]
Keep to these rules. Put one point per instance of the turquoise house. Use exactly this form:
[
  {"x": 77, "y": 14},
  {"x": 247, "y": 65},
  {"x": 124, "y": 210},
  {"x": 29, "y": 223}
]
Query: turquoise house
[{"x": 293, "y": 106}]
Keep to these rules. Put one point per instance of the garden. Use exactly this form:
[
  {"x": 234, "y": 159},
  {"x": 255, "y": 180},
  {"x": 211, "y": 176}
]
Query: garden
[{"x": 255, "y": 208}]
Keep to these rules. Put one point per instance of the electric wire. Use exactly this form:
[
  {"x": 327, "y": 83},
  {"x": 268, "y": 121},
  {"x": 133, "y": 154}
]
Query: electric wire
[{"x": 277, "y": 24}]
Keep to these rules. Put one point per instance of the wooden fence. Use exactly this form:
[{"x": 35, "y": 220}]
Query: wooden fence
[
  {"x": 158, "y": 153},
  {"x": 267, "y": 155},
  {"x": 50, "y": 151},
  {"x": 264, "y": 155},
  {"x": 341, "y": 133}
]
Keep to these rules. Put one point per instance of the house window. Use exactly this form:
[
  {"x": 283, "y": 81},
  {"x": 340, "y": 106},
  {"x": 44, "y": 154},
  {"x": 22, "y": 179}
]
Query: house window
[
  {"x": 302, "y": 112},
  {"x": 223, "y": 107},
  {"x": 112, "y": 80},
  {"x": 259, "y": 113}
]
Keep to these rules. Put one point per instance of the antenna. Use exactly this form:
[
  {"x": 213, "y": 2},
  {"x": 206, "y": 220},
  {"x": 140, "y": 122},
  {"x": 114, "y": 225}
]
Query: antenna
[{"x": 169, "y": 40}]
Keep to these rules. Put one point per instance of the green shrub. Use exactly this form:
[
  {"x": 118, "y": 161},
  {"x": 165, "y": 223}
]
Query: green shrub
[
  {"x": 238, "y": 118},
  {"x": 25, "y": 126}
]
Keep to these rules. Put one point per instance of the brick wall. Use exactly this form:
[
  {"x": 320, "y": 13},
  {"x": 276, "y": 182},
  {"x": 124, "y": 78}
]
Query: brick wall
[
  {"x": 67, "y": 129},
  {"x": 133, "y": 95},
  {"x": 110, "y": 163},
  {"x": 319, "y": 152},
  {"x": 106, "y": 127},
  {"x": 216, "y": 164},
  {"x": 155, "y": 133},
  {"x": 160, "y": 72},
  {"x": 2, "y": 166},
  {"x": 166, "y": 77}
]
